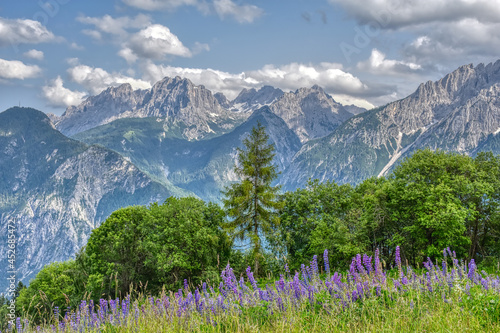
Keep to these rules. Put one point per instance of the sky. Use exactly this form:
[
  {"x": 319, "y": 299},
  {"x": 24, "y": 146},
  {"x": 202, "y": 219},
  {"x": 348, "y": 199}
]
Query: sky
[{"x": 55, "y": 53}]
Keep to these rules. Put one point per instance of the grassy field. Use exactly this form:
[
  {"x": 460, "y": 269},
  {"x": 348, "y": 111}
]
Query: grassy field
[{"x": 449, "y": 296}]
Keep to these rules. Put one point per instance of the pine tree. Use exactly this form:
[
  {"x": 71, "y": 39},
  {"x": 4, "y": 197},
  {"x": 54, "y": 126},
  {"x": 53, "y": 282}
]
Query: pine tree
[{"x": 252, "y": 203}]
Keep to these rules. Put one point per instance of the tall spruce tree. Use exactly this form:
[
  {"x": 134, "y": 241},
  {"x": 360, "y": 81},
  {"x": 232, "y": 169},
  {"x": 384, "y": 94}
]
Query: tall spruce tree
[{"x": 252, "y": 203}]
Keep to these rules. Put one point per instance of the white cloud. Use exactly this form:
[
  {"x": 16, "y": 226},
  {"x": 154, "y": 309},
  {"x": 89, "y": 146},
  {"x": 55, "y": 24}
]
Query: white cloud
[
  {"x": 393, "y": 14},
  {"x": 97, "y": 79},
  {"x": 456, "y": 40},
  {"x": 153, "y": 5},
  {"x": 113, "y": 26},
  {"x": 128, "y": 55},
  {"x": 57, "y": 95},
  {"x": 154, "y": 42},
  {"x": 241, "y": 13},
  {"x": 330, "y": 76},
  {"x": 14, "y": 69},
  {"x": 379, "y": 65},
  {"x": 94, "y": 34},
  {"x": 288, "y": 77},
  {"x": 19, "y": 31},
  {"x": 447, "y": 33},
  {"x": 75, "y": 46},
  {"x": 34, "y": 54}
]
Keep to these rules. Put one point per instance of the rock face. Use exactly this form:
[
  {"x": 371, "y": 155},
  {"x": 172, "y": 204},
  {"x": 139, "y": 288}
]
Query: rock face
[
  {"x": 310, "y": 113},
  {"x": 250, "y": 100},
  {"x": 192, "y": 109},
  {"x": 57, "y": 190},
  {"x": 458, "y": 113}
]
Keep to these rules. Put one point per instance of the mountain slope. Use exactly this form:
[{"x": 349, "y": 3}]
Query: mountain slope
[
  {"x": 458, "y": 113},
  {"x": 58, "y": 189},
  {"x": 202, "y": 167}
]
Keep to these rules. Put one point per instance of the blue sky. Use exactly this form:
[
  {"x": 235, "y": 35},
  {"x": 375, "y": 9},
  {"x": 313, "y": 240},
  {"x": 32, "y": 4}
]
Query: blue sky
[{"x": 54, "y": 53}]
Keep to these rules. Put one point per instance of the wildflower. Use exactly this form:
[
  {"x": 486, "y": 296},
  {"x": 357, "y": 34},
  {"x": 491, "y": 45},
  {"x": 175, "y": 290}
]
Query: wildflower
[
  {"x": 472, "y": 270},
  {"x": 251, "y": 278},
  {"x": 327, "y": 264}
]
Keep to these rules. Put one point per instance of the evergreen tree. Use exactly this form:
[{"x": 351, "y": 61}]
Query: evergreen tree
[{"x": 252, "y": 203}]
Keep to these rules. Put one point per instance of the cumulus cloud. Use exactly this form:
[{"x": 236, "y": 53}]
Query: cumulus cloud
[
  {"x": 95, "y": 79},
  {"x": 19, "y": 31},
  {"x": 14, "y": 69},
  {"x": 447, "y": 33},
  {"x": 330, "y": 76},
  {"x": 154, "y": 42},
  {"x": 241, "y": 13},
  {"x": 394, "y": 14},
  {"x": 113, "y": 26},
  {"x": 34, "y": 54},
  {"x": 128, "y": 55},
  {"x": 379, "y": 65},
  {"x": 460, "y": 39},
  {"x": 57, "y": 95}
]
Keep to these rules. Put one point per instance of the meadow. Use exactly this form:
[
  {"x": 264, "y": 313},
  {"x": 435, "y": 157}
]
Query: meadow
[{"x": 372, "y": 296}]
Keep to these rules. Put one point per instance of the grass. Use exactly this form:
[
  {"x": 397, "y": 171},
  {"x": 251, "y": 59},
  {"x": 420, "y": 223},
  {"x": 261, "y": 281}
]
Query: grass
[{"x": 455, "y": 297}]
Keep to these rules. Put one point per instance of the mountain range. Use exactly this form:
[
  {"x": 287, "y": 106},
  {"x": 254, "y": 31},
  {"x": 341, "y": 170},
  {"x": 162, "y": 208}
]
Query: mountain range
[{"x": 62, "y": 176}]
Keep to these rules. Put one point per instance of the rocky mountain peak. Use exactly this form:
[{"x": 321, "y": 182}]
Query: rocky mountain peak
[
  {"x": 310, "y": 112},
  {"x": 175, "y": 100},
  {"x": 250, "y": 100}
]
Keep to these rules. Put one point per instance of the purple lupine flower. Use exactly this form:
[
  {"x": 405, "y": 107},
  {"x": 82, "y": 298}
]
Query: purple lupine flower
[
  {"x": 186, "y": 285},
  {"x": 327, "y": 263},
  {"x": 472, "y": 270},
  {"x": 484, "y": 282},
  {"x": 314, "y": 266},
  {"x": 252, "y": 279},
  {"x": 280, "y": 284},
  {"x": 296, "y": 286},
  {"x": 222, "y": 289},
  {"x": 352, "y": 268},
  {"x": 359, "y": 264},
  {"x": 378, "y": 290},
  {"x": 280, "y": 304},
  {"x": 310, "y": 294},
  {"x": 367, "y": 261}
]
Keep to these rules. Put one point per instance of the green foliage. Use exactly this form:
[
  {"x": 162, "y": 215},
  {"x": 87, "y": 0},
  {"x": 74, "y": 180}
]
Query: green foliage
[
  {"x": 56, "y": 285},
  {"x": 251, "y": 203},
  {"x": 160, "y": 245},
  {"x": 440, "y": 199},
  {"x": 431, "y": 201}
]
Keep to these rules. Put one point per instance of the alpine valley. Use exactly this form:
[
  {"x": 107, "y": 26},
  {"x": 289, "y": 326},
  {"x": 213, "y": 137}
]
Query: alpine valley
[{"x": 62, "y": 176}]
